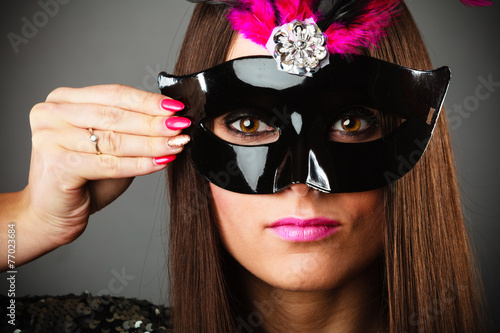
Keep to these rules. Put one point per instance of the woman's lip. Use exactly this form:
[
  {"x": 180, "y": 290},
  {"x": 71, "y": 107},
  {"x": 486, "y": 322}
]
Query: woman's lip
[
  {"x": 316, "y": 221},
  {"x": 304, "y": 230}
]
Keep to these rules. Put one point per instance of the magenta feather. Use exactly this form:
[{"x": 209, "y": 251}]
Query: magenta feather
[
  {"x": 364, "y": 26},
  {"x": 365, "y": 31},
  {"x": 476, "y": 3},
  {"x": 255, "y": 19},
  {"x": 290, "y": 10}
]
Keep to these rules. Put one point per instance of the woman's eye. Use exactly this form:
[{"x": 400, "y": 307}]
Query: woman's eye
[
  {"x": 357, "y": 124},
  {"x": 351, "y": 124},
  {"x": 250, "y": 125},
  {"x": 244, "y": 128}
]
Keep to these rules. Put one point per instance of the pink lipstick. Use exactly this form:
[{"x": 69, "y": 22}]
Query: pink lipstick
[{"x": 300, "y": 230}]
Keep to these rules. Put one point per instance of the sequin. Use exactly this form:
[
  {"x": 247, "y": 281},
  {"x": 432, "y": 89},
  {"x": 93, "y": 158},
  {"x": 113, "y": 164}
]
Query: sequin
[{"x": 86, "y": 313}]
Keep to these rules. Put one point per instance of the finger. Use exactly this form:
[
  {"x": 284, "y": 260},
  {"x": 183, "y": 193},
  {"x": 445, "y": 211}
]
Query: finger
[
  {"x": 120, "y": 96},
  {"x": 121, "y": 145},
  {"x": 94, "y": 167},
  {"x": 115, "y": 119}
]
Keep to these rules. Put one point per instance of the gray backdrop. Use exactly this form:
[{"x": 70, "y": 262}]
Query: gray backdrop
[{"x": 83, "y": 43}]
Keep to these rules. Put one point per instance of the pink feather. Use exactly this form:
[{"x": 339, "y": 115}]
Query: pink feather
[
  {"x": 256, "y": 23},
  {"x": 255, "y": 19},
  {"x": 476, "y": 3},
  {"x": 290, "y": 10},
  {"x": 366, "y": 32}
]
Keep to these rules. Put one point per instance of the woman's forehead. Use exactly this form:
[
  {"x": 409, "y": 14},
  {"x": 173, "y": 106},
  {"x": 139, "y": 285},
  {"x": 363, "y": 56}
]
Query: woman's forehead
[{"x": 243, "y": 47}]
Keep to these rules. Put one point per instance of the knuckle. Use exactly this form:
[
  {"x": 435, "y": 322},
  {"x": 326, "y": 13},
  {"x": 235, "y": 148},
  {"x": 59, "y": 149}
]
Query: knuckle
[
  {"x": 41, "y": 115},
  {"x": 34, "y": 115},
  {"x": 128, "y": 96},
  {"x": 109, "y": 115},
  {"x": 37, "y": 141},
  {"x": 118, "y": 91},
  {"x": 138, "y": 97},
  {"x": 149, "y": 98},
  {"x": 152, "y": 146},
  {"x": 113, "y": 141},
  {"x": 142, "y": 166},
  {"x": 151, "y": 125},
  {"x": 109, "y": 164},
  {"x": 44, "y": 140},
  {"x": 57, "y": 94}
]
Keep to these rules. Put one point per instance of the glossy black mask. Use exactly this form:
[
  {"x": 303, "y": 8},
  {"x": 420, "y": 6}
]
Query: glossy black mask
[{"x": 259, "y": 130}]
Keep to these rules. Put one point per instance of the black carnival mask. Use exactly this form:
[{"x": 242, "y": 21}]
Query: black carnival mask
[{"x": 356, "y": 125}]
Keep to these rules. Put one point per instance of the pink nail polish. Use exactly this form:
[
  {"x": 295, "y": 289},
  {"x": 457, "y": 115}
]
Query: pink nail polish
[
  {"x": 164, "y": 160},
  {"x": 171, "y": 105},
  {"x": 177, "y": 123}
]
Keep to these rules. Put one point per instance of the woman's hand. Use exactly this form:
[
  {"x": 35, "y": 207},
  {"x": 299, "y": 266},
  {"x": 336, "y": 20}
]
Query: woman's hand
[{"x": 137, "y": 133}]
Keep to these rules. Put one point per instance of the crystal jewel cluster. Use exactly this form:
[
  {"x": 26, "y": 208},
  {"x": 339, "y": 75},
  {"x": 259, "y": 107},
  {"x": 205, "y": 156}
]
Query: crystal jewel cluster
[{"x": 300, "y": 47}]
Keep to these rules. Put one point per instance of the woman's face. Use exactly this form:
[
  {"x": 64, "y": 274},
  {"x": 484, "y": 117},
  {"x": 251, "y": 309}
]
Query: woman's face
[{"x": 291, "y": 257}]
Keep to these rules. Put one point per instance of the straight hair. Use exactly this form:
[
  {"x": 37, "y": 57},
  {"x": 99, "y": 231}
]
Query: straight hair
[{"x": 430, "y": 278}]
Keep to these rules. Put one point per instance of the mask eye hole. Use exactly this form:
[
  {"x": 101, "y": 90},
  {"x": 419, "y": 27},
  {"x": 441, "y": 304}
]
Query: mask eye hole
[
  {"x": 245, "y": 127},
  {"x": 357, "y": 124}
]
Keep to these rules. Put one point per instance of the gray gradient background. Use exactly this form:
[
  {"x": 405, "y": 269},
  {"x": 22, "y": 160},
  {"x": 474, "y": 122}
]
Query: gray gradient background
[{"x": 125, "y": 41}]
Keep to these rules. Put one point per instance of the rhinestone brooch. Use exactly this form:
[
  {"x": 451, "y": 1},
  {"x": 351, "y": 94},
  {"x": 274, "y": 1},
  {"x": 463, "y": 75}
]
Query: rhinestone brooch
[{"x": 299, "y": 47}]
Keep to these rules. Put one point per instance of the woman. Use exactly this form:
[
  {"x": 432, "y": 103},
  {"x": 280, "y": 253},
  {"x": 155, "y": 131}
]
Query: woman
[{"x": 378, "y": 227}]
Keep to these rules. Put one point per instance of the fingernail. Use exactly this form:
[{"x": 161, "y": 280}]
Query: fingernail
[
  {"x": 171, "y": 105},
  {"x": 177, "y": 123},
  {"x": 164, "y": 160},
  {"x": 178, "y": 141}
]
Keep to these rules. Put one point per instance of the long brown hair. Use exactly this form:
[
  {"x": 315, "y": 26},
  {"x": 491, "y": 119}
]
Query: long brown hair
[{"x": 431, "y": 282}]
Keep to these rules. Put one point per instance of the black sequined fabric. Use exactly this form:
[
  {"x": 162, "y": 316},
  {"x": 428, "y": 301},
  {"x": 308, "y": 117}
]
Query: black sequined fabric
[{"x": 84, "y": 313}]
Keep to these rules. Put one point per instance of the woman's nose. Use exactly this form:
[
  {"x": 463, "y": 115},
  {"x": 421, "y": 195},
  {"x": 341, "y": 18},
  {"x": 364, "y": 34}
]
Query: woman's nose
[{"x": 300, "y": 189}]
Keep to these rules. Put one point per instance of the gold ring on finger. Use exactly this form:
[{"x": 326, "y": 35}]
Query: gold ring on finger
[{"x": 94, "y": 139}]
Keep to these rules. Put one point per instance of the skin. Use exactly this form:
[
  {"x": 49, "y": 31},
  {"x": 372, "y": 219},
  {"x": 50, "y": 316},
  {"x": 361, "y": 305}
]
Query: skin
[{"x": 329, "y": 285}]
